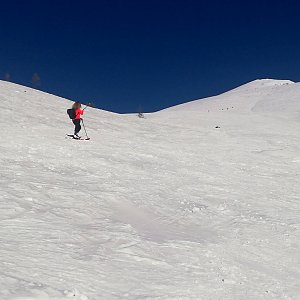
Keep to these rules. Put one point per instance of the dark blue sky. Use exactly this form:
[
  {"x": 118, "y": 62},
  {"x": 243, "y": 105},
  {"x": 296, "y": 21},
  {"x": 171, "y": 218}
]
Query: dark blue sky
[{"x": 156, "y": 53}]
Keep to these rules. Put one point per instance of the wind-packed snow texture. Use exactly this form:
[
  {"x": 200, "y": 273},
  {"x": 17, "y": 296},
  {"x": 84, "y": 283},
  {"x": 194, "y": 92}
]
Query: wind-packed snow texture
[{"x": 166, "y": 207}]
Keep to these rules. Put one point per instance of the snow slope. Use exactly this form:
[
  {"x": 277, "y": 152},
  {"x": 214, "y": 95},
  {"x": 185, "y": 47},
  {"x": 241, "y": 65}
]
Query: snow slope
[
  {"x": 167, "y": 207},
  {"x": 266, "y": 95}
]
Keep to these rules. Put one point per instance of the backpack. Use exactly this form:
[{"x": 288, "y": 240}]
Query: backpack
[{"x": 72, "y": 114}]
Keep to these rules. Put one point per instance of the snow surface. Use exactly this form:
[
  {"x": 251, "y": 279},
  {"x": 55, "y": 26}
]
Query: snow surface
[{"x": 166, "y": 207}]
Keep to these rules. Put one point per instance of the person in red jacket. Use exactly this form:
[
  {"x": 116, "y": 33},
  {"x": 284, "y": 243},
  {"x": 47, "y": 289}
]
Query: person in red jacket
[{"x": 78, "y": 112}]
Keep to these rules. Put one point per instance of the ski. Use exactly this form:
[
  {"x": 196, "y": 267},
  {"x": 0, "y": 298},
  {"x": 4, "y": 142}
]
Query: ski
[{"x": 71, "y": 136}]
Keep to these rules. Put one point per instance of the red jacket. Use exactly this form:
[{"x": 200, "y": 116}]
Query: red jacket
[{"x": 78, "y": 113}]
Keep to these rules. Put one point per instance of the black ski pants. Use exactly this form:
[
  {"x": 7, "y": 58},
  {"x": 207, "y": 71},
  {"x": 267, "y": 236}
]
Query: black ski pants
[{"x": 76, "y": 122}]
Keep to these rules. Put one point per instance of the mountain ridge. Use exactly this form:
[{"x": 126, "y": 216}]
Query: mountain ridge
[
  {"x": 263, "y": 95},
  {"x": 260, "y": 90}
]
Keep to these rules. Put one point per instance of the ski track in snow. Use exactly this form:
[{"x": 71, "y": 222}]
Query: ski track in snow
[{"x": 166, "y": 207}]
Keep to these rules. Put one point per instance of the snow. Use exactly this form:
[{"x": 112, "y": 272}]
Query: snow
[{"x": 166, "y": 207}]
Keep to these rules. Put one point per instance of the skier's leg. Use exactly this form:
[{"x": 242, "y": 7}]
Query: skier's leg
[
  {"x": 74, "y": 125},
  {"x": 74, "y": 122},
  {"x": 77, "y": 126}
]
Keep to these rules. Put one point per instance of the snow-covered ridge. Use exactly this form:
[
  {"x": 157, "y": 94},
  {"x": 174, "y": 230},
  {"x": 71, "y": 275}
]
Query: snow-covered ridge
[{"x": 264, "y": 96}]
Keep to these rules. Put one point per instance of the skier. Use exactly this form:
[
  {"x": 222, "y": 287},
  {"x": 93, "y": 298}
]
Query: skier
[{"x": 76, "y": 121}]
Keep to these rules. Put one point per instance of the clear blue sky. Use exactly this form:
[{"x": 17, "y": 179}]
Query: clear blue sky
[{"x": 156, "y": 53}]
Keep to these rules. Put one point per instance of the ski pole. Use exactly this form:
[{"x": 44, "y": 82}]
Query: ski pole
[
  {"x": 85, "y": 130},
  {"x": 87, "y": 105}
]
